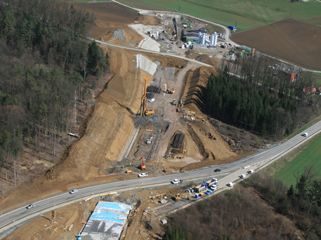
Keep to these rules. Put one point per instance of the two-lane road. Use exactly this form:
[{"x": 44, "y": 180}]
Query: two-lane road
[{"x": 18, "y": 216}]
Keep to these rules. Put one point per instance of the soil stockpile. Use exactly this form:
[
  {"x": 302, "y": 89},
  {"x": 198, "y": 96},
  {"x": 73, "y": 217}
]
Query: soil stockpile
[{"x": 288, "y": 39}]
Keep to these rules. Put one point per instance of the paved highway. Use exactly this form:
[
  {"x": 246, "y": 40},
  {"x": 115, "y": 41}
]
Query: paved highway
[{"x": 230, "y": 172}]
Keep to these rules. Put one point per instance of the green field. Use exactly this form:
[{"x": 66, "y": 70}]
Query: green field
[
  {"x": 310, "y": 156},
  {"x": 245, "y": 14}
]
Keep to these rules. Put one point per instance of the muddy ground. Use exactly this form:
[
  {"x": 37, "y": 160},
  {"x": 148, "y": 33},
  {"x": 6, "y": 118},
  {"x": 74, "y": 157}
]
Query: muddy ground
[
  {"x": 288, "y": 39},
  {"x": 110, "y": 125}
]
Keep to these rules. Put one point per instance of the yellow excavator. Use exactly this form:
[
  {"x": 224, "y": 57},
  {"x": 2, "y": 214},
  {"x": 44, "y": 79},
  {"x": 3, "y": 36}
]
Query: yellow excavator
[
  {"x": 144, "y": 109},
  {"x": 179, "y": 196}
]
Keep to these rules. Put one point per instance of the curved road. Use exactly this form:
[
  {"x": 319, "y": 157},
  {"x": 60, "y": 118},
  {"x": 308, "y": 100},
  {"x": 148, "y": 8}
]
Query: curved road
[{"x": 229, "y": 173}]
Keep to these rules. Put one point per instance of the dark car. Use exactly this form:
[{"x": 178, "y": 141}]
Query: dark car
[{"x": 217, "y": 170}]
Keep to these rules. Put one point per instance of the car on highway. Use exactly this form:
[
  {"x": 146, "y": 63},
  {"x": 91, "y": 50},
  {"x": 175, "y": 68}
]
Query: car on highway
[
  {"x": 175, "y": 181},
  {"x": 143, "y": 174},
  {"x": 73, "y": 191},
  {"x": 230, "y": 184},
  {"x": 31, "y": 206},
  {"x": 250, "y": 171},
  {"x": 305, "y": 134},
  {"x": 217, "y": 170}
]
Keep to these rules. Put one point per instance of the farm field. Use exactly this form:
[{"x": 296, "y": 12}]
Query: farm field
[
  {"x": 309, "y": 157},
  {"x": 245, "y": 14},
  {"x": 290, "y": 40}
]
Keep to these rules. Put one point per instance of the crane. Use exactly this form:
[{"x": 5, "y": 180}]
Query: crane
[
  {"x": 143, "y": 108},
  {"x": 188, "y": 25}
]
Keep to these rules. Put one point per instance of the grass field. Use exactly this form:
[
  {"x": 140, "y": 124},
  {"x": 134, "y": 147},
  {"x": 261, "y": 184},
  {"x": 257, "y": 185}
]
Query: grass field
[
  {"x": 310, "y": 156},
  {"x": 245, "y": 14}
]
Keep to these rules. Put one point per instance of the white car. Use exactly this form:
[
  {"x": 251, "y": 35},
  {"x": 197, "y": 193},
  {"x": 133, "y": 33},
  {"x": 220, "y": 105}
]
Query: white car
[
  {"x": 230, "y": 184},
  {"x": 73, "y": 191},
  {"x": 31, "y": 206},
  {"x": 213, "y": 187},
  {"x": 305, "y": 134},
  {"x": 151, "y": 100},
  {"x": 143, "y": 175},
  {"x": 175, "y": 181},
  {"x": 243, "y": 176}
]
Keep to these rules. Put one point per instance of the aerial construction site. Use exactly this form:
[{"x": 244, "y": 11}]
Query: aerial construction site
[{"x": 146, "y": 117}]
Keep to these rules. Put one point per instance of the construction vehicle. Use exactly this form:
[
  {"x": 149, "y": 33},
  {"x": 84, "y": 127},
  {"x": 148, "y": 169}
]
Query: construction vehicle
[
  {"x": 143, "y": 108},
  {"x": 171, "y": 91},
  {"x": 129, "y": 171},
  {"x": 143, "y": 166},
  {"x": 174, "y": 37},
  {"x": 149, "y": 140},
  {"x": 179, "y": 196}
]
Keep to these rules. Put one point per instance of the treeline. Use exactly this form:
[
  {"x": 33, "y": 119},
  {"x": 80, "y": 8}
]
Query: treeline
[
  {"x": 301, "y": 203},
  {"x": 243, "y": 213},
  {"x": 259, "y": 100},
  {"x": 236, "y": 214},
  {"x": 44, "y": 68}
]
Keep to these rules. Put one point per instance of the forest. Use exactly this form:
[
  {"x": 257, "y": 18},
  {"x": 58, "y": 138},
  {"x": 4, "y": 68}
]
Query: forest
[
  {"x": 45, "y": 68},
  {"x": 260, "y": 207},
  {"x": 259, "y": 98}
]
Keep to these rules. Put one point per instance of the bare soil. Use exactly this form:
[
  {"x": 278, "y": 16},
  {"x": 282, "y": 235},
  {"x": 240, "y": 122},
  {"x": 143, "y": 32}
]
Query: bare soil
[
  {"x": 110, "y": 125},
  {"x": 288, "y": 39}
]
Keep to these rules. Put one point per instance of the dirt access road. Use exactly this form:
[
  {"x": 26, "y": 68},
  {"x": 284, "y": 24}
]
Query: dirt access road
[
  {"x": 110, "y": 125},
  {"x": 171, "y": 113}
]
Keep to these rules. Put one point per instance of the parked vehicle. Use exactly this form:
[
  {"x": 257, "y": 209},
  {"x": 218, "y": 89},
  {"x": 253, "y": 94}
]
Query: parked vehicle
[
  {"x": 143, "y": 174},
  {"x": 208, "y": 192},
  {"x": 213, "y": 187},
  {"x": 217, "y": 170},
  {"x": 73, "y": 191},
  {"x": 31, "y": 206}
]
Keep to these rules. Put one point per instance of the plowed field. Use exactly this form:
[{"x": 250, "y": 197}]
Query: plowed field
[{"x": 290, "y": 40}]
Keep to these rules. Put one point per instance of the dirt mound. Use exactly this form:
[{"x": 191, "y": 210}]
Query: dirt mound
[
  {"x": 288, "y": 39},
  {"x": 148, "y": 20},
  {"x": 196, "y": 81}
]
